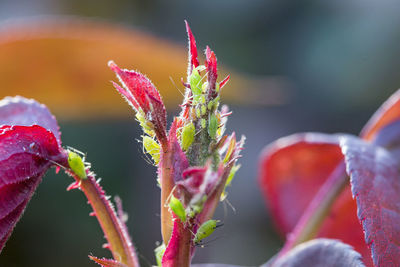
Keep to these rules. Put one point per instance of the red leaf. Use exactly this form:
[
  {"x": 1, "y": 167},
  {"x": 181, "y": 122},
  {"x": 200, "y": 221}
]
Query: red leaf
[
  {"x": 211, "y": 64},
  {"x": 107, "y": 262},
  {"x": 292, "y": 171},
  {"x": 193, "y": 61},
  {"x": 387, "y": 113},
  {"x": 224, "y": 81},
  {"x": 374, "y": 177},
  {"x": 141, "y": 93},
  {"x": 26, "y": 112},
  {"x": 26, "y": 154},
  {"x": 199, "y": 183}
]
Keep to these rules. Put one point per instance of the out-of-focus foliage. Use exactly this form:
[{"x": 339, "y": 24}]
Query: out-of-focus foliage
[{"x": 62, "y": 61}]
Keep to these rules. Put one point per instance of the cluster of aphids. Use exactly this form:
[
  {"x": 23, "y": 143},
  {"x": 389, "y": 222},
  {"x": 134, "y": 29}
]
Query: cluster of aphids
[
  {"x": 200, "y": 115},
  {"x": 203, "y": 109}
]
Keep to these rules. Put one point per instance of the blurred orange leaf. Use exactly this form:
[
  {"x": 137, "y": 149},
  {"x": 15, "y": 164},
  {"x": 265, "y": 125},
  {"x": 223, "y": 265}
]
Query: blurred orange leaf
[{"x": 63, "y": 62}]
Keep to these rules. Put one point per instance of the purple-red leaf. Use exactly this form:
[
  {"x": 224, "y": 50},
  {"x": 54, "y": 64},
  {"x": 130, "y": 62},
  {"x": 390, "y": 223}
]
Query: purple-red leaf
[
  {"x": 107, "y": 262},
  {"x": 375, "y": 184},
  {"x": 388, "y": 136},
  {"x": 319, "y": 252},
  {"x": 387, "y": 113},
  {"x": 26, "y": 112},
  {"x": 293, "y": 169},
  {"x": 26, "y": 152}
]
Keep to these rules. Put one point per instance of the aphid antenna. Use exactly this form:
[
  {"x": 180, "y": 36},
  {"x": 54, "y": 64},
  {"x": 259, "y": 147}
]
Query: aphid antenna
[
  {"x": 174, "y": 84},
  {"x": 205, "y": 74},
  {"x": 146, "y": 158},
  {"x": 220, "y": 224},
  {"x": 148, "y": 263},
  {"x": 199, "y": 131},
  {"x": 227, "y": 202},
  {"x": 70, "y": 148},
  {"x": 144, "y": 154},
  {"x": 169, "y": 197}
]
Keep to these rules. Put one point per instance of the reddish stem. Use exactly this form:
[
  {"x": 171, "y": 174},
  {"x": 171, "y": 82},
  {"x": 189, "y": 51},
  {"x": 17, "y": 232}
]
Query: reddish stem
[
  {"x": 114, "y": 230},
  {"x": 179, "y": 249},
  {"x": 312, "y": 218},
  {"x": 185, "y": 247},
  {"x": 167, "y": 184}
]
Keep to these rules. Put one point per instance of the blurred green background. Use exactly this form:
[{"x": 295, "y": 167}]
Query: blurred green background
[{"x": 339, "y": 57}]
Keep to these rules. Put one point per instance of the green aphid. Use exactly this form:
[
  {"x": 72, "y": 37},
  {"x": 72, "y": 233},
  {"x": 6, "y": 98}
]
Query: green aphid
[
  {"x": 195, "y": 210},
  {"x": 197, "y": 207},
  {"x": 212, "y": 125},
  {"x": 217, "y": 87},
  {"x": 216, "y": 102},
  {"x": 203, "y": 123},
  {"x": 177, "y": 207},
  {"x": 152, "y": 148},
  {"x": 198, "y": 114},
  {"x": 203, "y": 110},
  {"x": 146, "y": 125},
  {"x": 195, "y": 83},
  {"x": 205, "y": 230},
  {"x": 204, "y": 87},
  {"x": 202, "y": 99},
  {"x": 159, "y": 253},
  {"x": 188, "y": 132},
  {"x": 77, "y": 165},
  {"x": 210, "y": 105}
]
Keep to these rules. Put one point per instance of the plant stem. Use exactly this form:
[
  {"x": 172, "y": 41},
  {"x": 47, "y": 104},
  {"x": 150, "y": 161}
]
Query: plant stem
[
  {"x": 185, "y": 246},
  {"x": 167, "y": 184},
  {"x": 114, "y": 230},
  {"x": 312, "y": 218}
]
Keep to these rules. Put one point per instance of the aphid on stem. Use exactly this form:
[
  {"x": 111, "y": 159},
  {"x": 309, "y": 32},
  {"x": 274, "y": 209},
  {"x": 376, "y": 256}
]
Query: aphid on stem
[
  {"x": 205, "y": 230},
  {"x": 177, "y": 208},
  {"x": 77, "y": 163},
  {"x": 152, "y": 147}
]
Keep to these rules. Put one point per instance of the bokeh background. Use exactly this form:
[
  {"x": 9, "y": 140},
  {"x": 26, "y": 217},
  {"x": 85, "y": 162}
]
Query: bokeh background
[{"x": 296, "y": 66}]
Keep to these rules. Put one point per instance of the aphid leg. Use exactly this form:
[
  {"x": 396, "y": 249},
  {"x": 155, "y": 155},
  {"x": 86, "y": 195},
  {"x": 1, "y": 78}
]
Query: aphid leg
[
  {"x": 169, "y": 197},
  {"x": 69, "y": 148}
]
